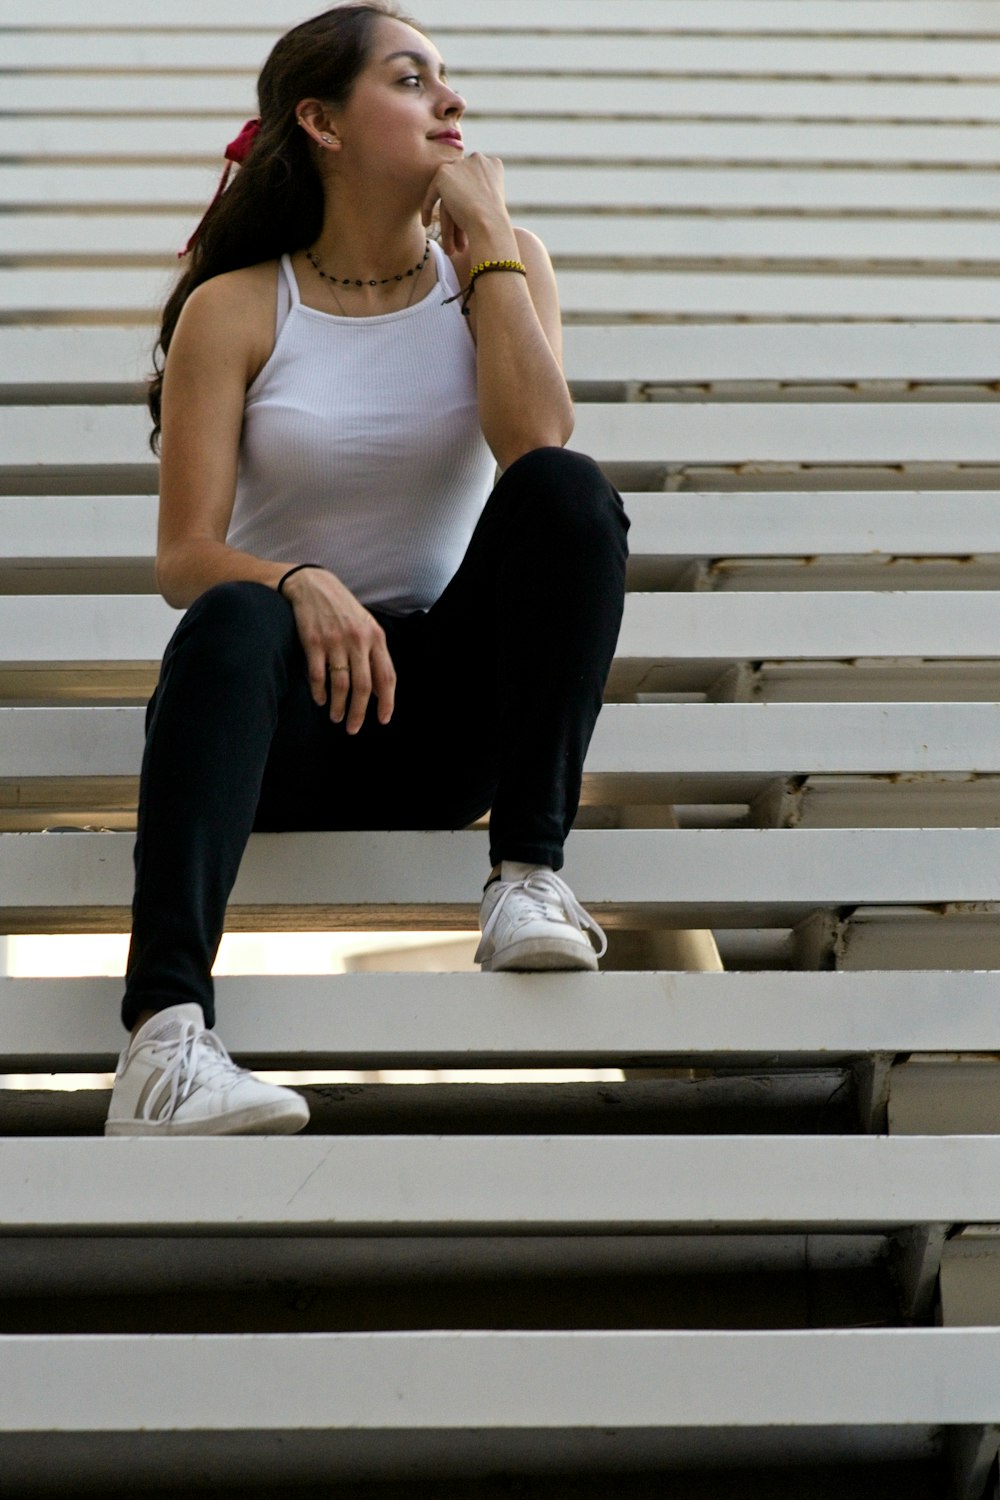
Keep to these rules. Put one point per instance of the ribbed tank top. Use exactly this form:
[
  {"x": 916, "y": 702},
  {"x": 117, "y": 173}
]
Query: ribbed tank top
[{"x": 361, "y": 446}]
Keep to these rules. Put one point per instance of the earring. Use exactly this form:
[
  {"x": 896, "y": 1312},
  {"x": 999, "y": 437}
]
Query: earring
[{"x": 327, "y": 139}]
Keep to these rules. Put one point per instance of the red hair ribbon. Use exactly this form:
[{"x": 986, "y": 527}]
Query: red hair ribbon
[{"x": 237, "y": 151}]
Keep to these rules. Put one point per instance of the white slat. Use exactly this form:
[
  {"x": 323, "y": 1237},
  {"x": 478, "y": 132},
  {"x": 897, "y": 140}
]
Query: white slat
[
  {"x": 526, "y": 1184},
  {"x": 41, "y": 357},
  {"x": 815, "y": 523},
  {"x": 624, "y": 237},
  {"x": 797, "y": 433},
  {"x": 528, "y": 52},
  {"x": 503, "y": 1020},
  {"x": 907, "y": 17},
  {"x": 724, "y": 739},
  {"x": 657, "y": 628},
  {"x": 490, "y": 1385},
  {"x": 778, "y": 293},
  {"x": 543, "y": 188},
  {"x": 97, "y": 439},
  {"x": 38, "y": 530},
  {"x": 85, "y": 137},
  {"x": 366, "y": 880},
  {"x": 230, "y": 96}
]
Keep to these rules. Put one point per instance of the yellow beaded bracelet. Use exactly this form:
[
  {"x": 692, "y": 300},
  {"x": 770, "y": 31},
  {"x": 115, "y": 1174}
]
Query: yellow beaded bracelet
[
  {"x": 480, "y": 270},
  {"x": 500, "y": 265}
]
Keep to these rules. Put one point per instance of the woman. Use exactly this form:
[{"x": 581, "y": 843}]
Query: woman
[{"x": 372, "y": 638}]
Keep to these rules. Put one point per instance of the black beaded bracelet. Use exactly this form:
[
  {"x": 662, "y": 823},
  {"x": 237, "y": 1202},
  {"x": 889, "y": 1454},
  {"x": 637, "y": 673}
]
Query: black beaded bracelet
[{"x": 297, "y": 569}]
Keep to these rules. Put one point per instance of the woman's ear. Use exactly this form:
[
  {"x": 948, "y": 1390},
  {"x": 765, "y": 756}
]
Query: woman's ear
[{"x": 313, "y": 117}]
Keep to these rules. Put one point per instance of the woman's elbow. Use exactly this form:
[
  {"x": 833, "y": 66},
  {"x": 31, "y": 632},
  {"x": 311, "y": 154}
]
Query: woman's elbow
[
  {"x": 553, "y": 435},
  {"x": 170, "y": 580}
]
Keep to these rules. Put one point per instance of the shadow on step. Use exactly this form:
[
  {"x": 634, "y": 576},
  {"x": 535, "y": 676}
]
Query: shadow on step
[{"x": 806, "y": 1102}]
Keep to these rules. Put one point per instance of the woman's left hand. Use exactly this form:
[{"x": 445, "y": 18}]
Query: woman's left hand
[{"x": 470, "y": 192}]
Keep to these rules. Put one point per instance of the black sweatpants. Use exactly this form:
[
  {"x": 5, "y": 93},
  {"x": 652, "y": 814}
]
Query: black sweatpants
[{"x": 499, "y": 685}]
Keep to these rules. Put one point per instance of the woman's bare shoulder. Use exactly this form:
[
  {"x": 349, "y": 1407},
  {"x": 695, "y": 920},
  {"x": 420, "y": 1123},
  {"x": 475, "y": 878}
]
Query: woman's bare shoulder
[{"x": 238, "y": 307}]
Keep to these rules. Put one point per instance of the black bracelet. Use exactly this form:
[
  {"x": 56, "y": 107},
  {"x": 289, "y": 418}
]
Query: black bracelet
[{"x": 297, "y": 569}]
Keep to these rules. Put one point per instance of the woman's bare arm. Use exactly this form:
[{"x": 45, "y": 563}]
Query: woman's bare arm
[
  {"x": 524, "y": 401},
  {"x": 217, "y": 348},
  {"x": 209, "y": 365}
]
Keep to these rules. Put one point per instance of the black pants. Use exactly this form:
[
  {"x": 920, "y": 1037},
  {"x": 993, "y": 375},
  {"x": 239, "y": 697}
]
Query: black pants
[{"x": 499, "y": 685}]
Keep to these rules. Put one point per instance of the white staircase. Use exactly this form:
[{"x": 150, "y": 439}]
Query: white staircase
[{"x": 766, "y": 1262}]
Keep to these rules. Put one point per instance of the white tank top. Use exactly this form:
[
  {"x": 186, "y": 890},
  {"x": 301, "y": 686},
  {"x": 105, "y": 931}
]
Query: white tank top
[{"x": 362, "y": 448}]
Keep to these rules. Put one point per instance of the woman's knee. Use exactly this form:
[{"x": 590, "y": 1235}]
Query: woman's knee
[
  {"x": 235, "y": 626},
  {"x": 569, "y": 489},
  {"x": 567, "y": 480}
]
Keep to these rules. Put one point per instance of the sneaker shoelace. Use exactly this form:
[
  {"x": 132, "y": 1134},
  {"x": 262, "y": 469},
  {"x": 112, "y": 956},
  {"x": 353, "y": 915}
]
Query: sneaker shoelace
[
  {"x": 196, "y": 1053},
  {"x": 535, "y": 897}
]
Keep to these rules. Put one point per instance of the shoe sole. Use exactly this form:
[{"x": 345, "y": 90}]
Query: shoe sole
[
  {"x": 540, "y": 957},
  {"x": 269, "y": 1119}
]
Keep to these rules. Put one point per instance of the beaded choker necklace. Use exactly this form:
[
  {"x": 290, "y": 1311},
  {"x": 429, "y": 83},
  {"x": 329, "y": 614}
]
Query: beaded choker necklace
[{"x": 349, "y": 281}]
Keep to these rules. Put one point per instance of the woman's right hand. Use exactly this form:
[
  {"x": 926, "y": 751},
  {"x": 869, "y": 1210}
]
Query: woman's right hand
[{"x": 340, "y": 637}]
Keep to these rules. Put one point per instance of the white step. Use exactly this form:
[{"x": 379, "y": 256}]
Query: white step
[
  {"x": 95, "y": 440},
  {"x": 690, "y": 877},
  {"x": 905, "y": 17},
  {"x": 39, "y": 531},
  {"x": 774, "y": 293},
  {"x": 741, "y": 741},
  {"x": 585, "y": 140},
  {"x": 935, "y": 190},
  {"x": 676, "y": 628},
  {"x": 531, "y": 52},
  {"x": 594, "y": 293},
  {"x": 230, "y": 95},
  {"x": 624, "y": 236},
  {"x": 63, "y": 357},
  {"x": 442, "y": 1184},
  {"x": 611, "y": 1019},
  {"x": 444, "y": 1403}
]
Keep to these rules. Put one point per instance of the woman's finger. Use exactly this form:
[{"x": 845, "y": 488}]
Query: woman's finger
[
  {"x": 427, "y": 211},
  {"x": 383, "y": 682},
  {"x": 340, "y": 685},
  {"x": 361, "y": 691},
  {"x": 316, "y": 668}
]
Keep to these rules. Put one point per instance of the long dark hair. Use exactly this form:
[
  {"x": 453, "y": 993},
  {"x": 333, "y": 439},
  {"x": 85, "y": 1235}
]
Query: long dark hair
[{"x": 275, "y": 200}]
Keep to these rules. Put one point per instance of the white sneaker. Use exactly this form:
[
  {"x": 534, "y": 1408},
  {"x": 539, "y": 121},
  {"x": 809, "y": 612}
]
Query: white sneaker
[
  {"x": 530, "y": 919},
  {"x": 176, "y": 1078}
]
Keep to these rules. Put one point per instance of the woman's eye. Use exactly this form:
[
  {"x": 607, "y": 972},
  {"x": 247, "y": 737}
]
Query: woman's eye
[{"x": 411, "y": 77}]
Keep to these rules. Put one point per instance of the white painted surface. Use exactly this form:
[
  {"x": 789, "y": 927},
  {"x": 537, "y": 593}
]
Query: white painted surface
[
  {"x": 546, "y": 187},
  {"x": 41, "y": 527},
  {"x": 229, "y": 95},
  {"x": 530, "y": 52},
  {"x": 667, "y": 628},
  {"x": 624, "y": 236},
  {"x": 347, "y": 876},
  {"x": 582, "y": 139},
  {"x": 688, "y": 524},
  {"x": 395, "y": 1020},
  {"x": 775, "y": 293},
  {"x": 99, "y": 438},
  {"x": 981, "y": 17},
  {"x": 521, "y": 1184},
  {"x": 278, "y": 1382},
  {"x": 705, "y": 738},
  {"x": 671, "y": 354}
]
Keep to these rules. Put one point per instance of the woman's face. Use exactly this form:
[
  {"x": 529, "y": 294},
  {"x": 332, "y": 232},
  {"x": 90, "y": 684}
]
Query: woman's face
[{"x": 401, "y": 109}]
